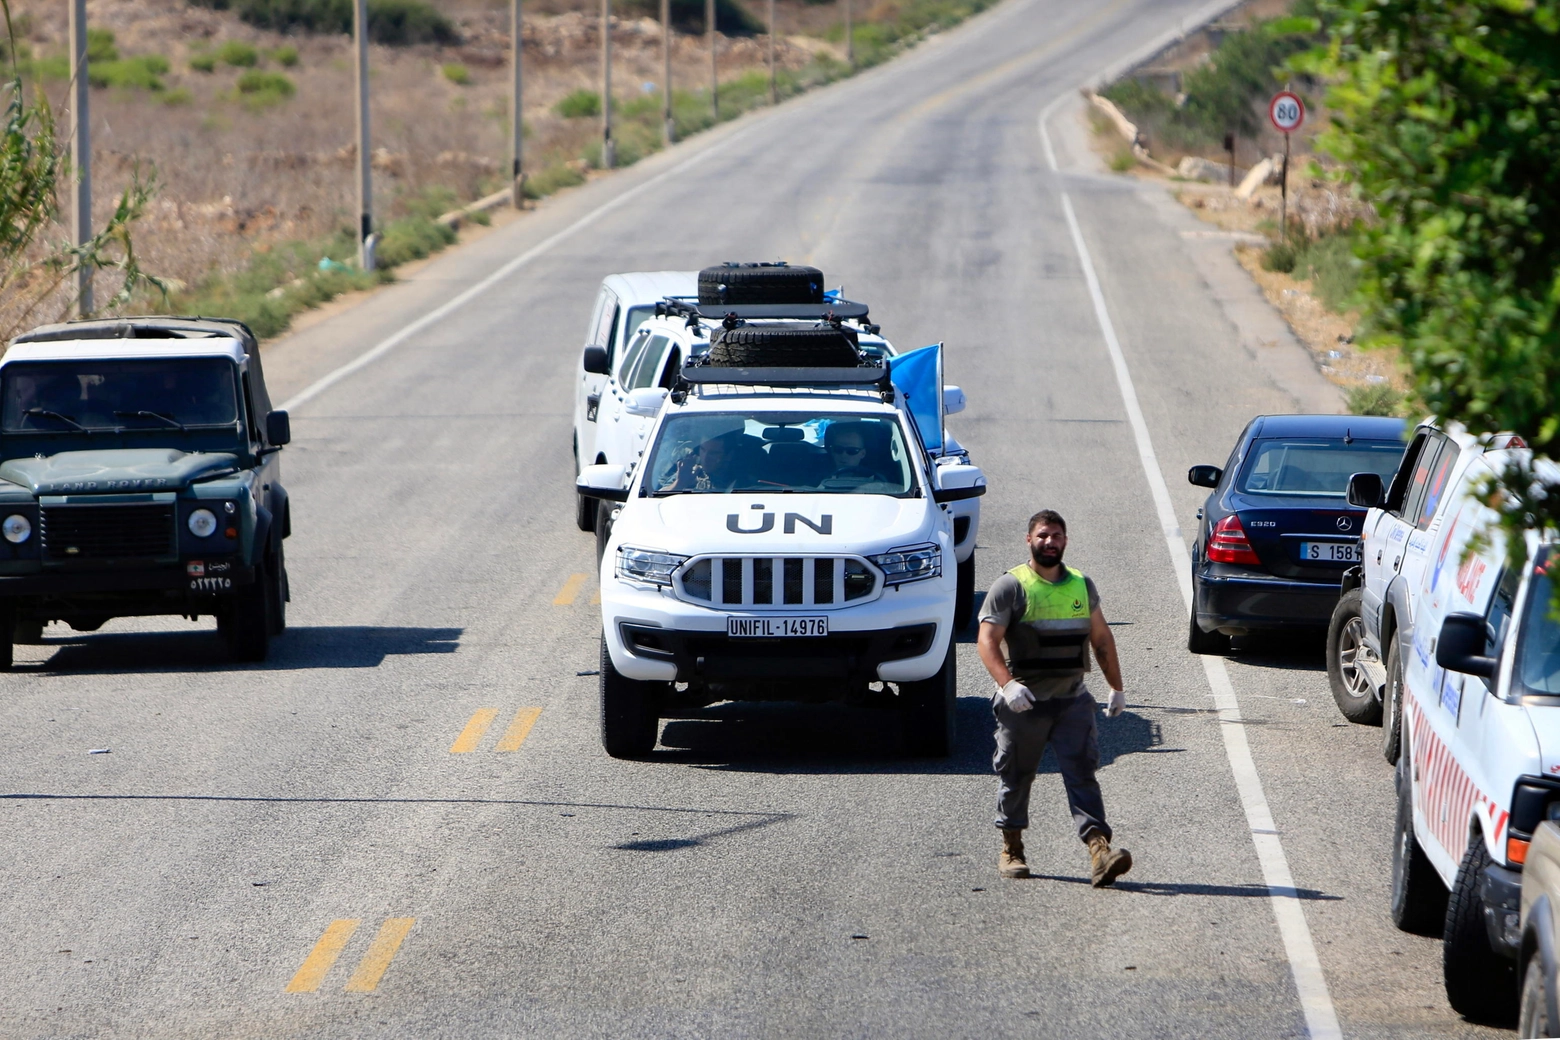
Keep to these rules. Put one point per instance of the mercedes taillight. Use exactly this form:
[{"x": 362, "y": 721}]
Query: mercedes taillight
[{"x": 1228, "y": 543}]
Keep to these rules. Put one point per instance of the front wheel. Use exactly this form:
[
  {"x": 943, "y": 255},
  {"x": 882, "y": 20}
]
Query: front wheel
[
  {"x": 246, "y": 624},
  {"x": 7, "y": 631},
  {"x": 604, "y": 513},
  {"x": 584, "y": 507},
  {"x": 1347, "y": 655},
  {"x": 964, "y": 605},
  {"x": 1392, "y": 705},
  {"x": 630, "y": 721},
  {"x": 1533, "y": 1007},
  {"x": 1417, "y": 902},
  {"x": 1480, "y": 983},
  {"x": 929, "y": 707}
]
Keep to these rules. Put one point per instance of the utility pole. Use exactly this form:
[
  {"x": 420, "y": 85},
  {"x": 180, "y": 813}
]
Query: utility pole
[
  {"x": 774, "y": 85},
  {"x": 516, "y": 171},
  {"x": 666, "y": 81},
  {"x": 850, "y": 40},
  {"x": 608, "y": 146},
  {"x": 366, "y": 236},
  {"x": 709, "y": 30},
  {"x": 81, "y": 152}
]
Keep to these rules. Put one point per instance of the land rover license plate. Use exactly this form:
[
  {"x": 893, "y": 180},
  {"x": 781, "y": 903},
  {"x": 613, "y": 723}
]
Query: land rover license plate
[
  {"x": 776, "y": 627},
  {"x": 1332, "y": 552}
]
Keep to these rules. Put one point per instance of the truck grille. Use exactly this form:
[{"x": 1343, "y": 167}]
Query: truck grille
[
  {"x": 777, "y": 581},
  {"x": 107, "y": 532}
]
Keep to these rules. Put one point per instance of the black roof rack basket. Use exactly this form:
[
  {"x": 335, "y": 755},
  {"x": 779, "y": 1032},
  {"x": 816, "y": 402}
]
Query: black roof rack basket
[{"x": 864, "y": 376}]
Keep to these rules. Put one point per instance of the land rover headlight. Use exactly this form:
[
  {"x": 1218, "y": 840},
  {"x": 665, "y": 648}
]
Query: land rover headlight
[
  {"x": 203, "y": 523},
  {"x": 16, "y": 528},
  {"x": 647, "y": 565},
  {"x": 909, "y": 563}
]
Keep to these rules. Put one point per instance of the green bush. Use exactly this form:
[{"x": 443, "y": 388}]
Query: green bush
[
  {"x": 581, "y": 104},
  {"x": 411, "y": 238},
  {"x": 1280, "y": 256},
  {"x": 143, "y": 71},
  {"x": 394, "y": 22},
  {"x": 100, "y": 45},
  {"x": 1375, "y": 399},
  {"x": 203, "y": 62},
  {"x": 1334, "y": 272},
  {"x": 238, "y": 54},
  {"x": 286, "y": 55},
  {"x": 731, "y": 17},
  {"x": 258, "y": 89},
  {"x": 457, "y": 73},
  {"x": 550, "y": 179},
  {"x": 178, "y": 96}
]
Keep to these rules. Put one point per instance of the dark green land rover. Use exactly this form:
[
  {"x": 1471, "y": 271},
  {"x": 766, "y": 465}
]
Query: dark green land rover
[{"x": 140, "y": 474}]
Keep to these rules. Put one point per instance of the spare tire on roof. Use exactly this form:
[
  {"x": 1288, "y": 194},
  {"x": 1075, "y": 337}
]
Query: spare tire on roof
[
  {"x": 759, "y": 346},
  {"x": 760, "y": 283}
]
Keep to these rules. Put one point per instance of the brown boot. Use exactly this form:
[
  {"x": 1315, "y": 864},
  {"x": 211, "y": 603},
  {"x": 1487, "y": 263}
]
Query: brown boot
[
  {"x": 1011, "y": 863},
  {"x": 1108, "y": 865}
]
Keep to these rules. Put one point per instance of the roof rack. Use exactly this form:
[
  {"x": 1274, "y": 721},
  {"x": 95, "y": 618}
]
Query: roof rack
[
  {"x": 837, "y": 310},
  {"x": 873, "y": 377}
]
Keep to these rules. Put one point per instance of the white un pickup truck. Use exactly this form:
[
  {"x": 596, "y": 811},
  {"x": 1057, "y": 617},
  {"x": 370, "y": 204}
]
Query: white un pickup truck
[{"x": 788, "y": 533}]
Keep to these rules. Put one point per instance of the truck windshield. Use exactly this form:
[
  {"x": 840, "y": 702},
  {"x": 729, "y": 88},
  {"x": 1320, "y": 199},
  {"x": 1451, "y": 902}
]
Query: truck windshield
[
  {"x": 1538, "y": 654},
  {"x": 88, "y": 395},
  {"x": 815, "y": 452},
  {"x": 1315, "y": 466}
]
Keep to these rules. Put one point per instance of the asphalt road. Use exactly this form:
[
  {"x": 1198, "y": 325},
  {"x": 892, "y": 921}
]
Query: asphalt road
[{"x": 772, "y": 873}]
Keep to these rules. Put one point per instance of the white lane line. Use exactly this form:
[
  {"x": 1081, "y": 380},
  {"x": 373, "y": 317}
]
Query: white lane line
[
  {"x": 389, "y": 343},
  {"x": 1320, "y": 1017}
]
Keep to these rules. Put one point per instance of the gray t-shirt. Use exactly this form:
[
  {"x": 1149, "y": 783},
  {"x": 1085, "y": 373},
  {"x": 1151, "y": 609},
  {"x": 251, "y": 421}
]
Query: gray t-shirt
[{"x": 1005, "y": 605}]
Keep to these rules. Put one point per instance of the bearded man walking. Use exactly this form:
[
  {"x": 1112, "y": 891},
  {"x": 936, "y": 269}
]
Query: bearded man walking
[{"x": 1048, "y": 616}]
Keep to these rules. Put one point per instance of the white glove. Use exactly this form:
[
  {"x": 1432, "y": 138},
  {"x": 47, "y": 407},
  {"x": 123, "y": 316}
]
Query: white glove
[
  {"x": 1117, "y": 703},
  {"x": 1017, "y": 696}
]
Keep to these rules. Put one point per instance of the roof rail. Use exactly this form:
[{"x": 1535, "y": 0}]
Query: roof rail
[{"x": 874, "y": 376}]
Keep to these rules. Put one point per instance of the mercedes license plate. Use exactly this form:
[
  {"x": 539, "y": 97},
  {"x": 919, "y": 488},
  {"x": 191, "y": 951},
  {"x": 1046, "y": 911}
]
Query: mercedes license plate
[
  {"x": 776, "y": 627},
  {"x": 1330, "y": 552}
]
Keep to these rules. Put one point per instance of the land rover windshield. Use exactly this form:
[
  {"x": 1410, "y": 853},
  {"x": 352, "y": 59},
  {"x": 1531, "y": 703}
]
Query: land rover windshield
[
  {"x": 803, "y": 452},
  {"x": 90, "y": 395}
]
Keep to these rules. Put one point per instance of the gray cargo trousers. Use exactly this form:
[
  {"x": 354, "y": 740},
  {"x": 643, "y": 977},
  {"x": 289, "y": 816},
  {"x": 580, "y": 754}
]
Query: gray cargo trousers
[{"x": 1067, "y": 724}]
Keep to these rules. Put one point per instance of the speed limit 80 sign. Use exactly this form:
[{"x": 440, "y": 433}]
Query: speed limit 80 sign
[{"x": 1287, "y": 112}]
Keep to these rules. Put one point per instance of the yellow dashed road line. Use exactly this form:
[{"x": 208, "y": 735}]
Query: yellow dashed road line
[
  {"x": 472, "y": 734},
  {"x": 519, "y": 729},
  {"x": 320, "y": 960},
  {"x": 570, "y": 590},
  {"x": 372, "y": 967}
]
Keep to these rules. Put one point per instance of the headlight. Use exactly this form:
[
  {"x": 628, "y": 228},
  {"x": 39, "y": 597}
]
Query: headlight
[
  {"x": 646, "y": 565},
  {"x": 203, "y": 523},
  {"x": 909, "y": 563},
  {"x": 17, "y": 528}
]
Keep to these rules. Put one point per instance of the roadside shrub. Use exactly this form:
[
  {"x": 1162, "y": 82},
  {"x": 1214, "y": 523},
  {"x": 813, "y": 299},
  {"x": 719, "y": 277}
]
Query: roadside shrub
[
  {"x": 581, "y": 104},
  {"x": 550, "y": 179},
  {"x": 393, "y": 22},
  {"x": 100, "y": 45},
  {"x": 731, "y": 17},
  {"x": 1375, "y": 399},
  {"x": 1334, "y": 272},
  {"x": 143, "y": 71},
  {"x": 1280, "y": 256},
  {"x": 178, "y": 96},
  {"x": 457, "y": 74},
  {"x": 238, "y": 54},
  {"x": 258, "y": 89},
  {"x": 411, "y": 238},
  {"x": 203, "y": 62},
  {"x": 286, "y": 55},
  {"x": 1123, "y": 159}
]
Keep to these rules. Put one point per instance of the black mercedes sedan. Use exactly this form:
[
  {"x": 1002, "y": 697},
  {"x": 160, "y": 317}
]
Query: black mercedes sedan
[{"x": 1276, "y": 533}]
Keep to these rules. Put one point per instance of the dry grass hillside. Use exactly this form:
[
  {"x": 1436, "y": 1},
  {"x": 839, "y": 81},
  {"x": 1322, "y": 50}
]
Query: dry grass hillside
[{"x": 250, "y": 134}]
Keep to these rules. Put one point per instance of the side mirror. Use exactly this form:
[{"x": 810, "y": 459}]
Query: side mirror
[
  {"x": 604, "y": 482},
  {"x": 278, "y": 427},
  {"x": 1460, "y": 647},
  {"x": 1365, "y": 490},
  {"x": 954, "y": 400},
  {"x": 958, "y": 494},
  {"x": 595, "y": 361},
  {"x": 645, "y": 402},
  {"x": 1204, "y": 476}
]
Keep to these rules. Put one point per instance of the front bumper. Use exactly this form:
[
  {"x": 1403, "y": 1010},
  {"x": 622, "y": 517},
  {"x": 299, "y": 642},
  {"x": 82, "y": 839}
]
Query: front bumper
[
  {"x": 1229, "y": 598},
  {"x": 216, "y": 577},
  {"x": 902, "y": 636}
]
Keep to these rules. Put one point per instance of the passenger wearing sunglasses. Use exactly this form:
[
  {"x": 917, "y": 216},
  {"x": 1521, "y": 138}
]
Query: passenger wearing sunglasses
[{"x": 847, "y": 447}]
